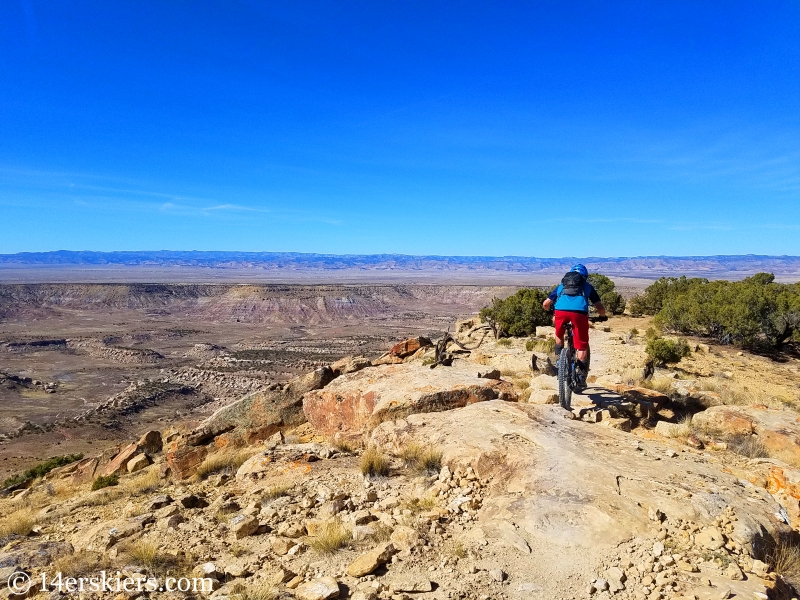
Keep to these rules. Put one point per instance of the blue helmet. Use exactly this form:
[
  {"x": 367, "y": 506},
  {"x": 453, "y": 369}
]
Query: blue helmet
[{"x": 579, "y": 268}]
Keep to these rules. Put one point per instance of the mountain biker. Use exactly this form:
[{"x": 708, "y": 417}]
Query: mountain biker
[{"x": 571, "y": 300}]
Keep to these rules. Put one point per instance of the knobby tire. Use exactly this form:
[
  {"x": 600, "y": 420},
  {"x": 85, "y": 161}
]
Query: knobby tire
[{"x": 564, "y": 388}]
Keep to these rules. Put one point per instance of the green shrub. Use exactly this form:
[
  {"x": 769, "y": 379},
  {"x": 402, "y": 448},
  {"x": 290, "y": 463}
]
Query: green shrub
[
  {"x": 42, "y": 469},
  {"x": 517, "y": 315},
  {"x": 105, "y": 481},
  {"x": 664, "y": 351},
  {"x": 611, "y": 299},
  {"x": 755, "y": 312}
]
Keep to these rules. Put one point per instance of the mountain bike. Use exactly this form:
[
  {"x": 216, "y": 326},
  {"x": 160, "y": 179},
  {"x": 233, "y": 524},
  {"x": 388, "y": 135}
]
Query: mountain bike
[{"x": 567, "y": 365}]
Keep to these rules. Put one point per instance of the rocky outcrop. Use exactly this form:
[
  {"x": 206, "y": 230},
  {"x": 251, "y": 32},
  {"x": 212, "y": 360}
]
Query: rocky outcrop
[
  {"x": 540, "y": 463},
  {"x": 262, "y": 413},
  {"x": 359, "y": 401},
  {"x": 778, "y": 430}
]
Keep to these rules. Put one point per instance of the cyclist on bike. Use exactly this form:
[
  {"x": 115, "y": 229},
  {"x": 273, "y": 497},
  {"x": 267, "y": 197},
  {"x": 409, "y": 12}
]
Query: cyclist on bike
[{"x": 571, "y": 300}]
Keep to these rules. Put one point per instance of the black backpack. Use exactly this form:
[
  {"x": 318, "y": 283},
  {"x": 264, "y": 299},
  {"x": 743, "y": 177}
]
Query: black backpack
[{"x": 573, "y": 283}]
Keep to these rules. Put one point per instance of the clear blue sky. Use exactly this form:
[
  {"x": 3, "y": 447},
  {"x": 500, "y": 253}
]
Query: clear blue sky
[{"x": 538, "y": 129}]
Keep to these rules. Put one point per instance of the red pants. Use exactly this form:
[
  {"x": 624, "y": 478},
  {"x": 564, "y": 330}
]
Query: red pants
[{"x": 580, "y": 327}]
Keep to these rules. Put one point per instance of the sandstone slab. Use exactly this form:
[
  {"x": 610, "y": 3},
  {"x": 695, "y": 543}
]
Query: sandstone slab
[
  {"x": 119, "y": 463},
  {"x": 364, "y": 399}
]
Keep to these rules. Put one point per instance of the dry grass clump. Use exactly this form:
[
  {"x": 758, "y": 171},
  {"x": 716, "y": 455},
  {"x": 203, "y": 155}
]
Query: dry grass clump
[
  {"x": 504, "y": 342},
  {"x": 374, "y": 463},
  {"x": 662, "y": 385},
  {"x": 684, "y": 428},
  {"x": 144, "y": 482},
  {"x": 345, "y": 446},
  {"x": 419, "y": 505},
  {"x": 522, "y": 383},
  {"x": 101, "y": 497},
  {"x": 147, "y": 553},
  {"x": 458, "y": 550},
  {"x": 538, "y": 345},
  {"x": 276, "y": 491},
  {"x": 331, "y": 536},
  {"x": 254, "y": 590},
  {"x": 81, "y": 564},
  {"x": 226, "y": 461},
  {"x": 785, "y": 558},
  {"x": 18, "y": 522},
  {"x": 750, "y": 446},
  {"x": 423, "y": 458}
]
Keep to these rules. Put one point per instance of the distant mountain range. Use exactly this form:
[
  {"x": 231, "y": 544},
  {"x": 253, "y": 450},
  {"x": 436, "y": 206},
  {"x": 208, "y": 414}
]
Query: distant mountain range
[{"x": 641, "y": 266}]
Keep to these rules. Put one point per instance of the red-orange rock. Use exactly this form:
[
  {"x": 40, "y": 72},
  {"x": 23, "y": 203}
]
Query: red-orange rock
[
  {"x": 409, "y": 346},
  {"x": 120, "y": 462},
  {"x": 184, "y": 460}
]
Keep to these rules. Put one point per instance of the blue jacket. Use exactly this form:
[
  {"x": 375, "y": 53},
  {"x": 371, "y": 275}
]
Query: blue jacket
[{"x": 575, "y": 303}]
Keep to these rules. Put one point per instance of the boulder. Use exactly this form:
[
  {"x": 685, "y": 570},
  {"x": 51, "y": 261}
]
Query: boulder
[
  {"x": 726, "y": 421},
  {"x": 350, "y": 364},
  {"x": 370, "y": 561},
  {"x": 100, "y": 537},
  {"x": 410, "y": 346},
  {"x": 778, "y": 429},
  {"x": 137, "y": 463},
  {"x": 318, "y": 589},
  {"x": 151, "y": 442},
  {"x": 185, "y": 459},
  {"x": 244, "y": 525},
  {"x": 404, "y": 538},
  {"x": 85, "y": 470},
  {"x": 120, "y": 462},
  {"x": 362, "y": 400},
  {"x": 543, "y": 397}
]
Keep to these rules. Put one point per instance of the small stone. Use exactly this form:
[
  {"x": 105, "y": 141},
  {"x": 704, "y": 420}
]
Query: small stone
[
  {"x": 159, "y": 502},
  {"x": 686, "y": 566},
  {"x": 137, "y": 463},
  {"x": 294, "y": 582},
  {"x": 710, "y": 538},
  {"x": 724, "y": 594},
  {"x": 242, "y": 526},
  {"x": 600, "y": 585},
  {"x": 497, "y": 574},
  {"x": 281, "y": 545},
  {"x": 760, "y": 569},
  {"x": 658, "y": 549},
  {"x": 734, "y": 572},
  {"x": 616, "y": 579},
  {"x": 370, "y": 561}
]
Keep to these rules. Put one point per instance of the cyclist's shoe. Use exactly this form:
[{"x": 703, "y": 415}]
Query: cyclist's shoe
[{"x": 581, "y": 371}]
